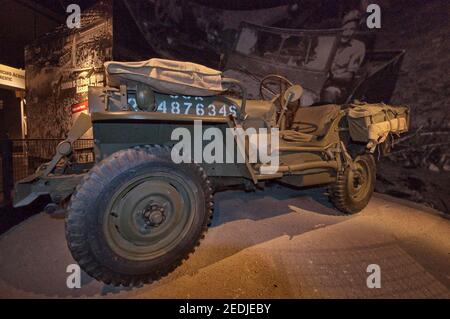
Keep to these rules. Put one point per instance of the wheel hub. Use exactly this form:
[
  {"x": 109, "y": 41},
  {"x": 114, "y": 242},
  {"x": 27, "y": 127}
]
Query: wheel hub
[
  {"x": 154, "y": 215},
  {"x": 358, "y": 181},
  {"x": 148, "y": 216}
]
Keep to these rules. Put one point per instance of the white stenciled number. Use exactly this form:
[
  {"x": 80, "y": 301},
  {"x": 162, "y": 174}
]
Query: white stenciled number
[
  {"x": 162, "y": 107},
  {"x": 200, "y": 109},
  {"x": 211, "y": 110},
  {"x": 223, "y": 110},
  {"x": 175, "y": 108},
  {"x": 187, "y": 107},
  {"x": 233, "y": 110}
]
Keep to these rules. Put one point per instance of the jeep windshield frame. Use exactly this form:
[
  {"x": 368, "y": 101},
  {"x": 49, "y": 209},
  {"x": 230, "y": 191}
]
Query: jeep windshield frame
[
  {"x": 300, "y": 44},
  {"x": 262, "y": 50}
]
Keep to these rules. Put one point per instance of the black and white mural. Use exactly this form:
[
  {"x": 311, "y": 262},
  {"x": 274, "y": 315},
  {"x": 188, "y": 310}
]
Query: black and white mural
[{"x": 59, "y": 68}]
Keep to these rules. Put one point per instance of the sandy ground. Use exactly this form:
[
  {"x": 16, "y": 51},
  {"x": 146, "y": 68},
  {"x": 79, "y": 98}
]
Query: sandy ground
[{"x": 277, "y": 243}]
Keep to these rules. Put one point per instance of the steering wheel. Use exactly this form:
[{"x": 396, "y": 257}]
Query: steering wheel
[{"x": 273, "y": 87}]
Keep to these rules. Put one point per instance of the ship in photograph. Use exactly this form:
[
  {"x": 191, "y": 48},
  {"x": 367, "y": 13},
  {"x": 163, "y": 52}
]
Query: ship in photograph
[{"x": 134, "y": 215}]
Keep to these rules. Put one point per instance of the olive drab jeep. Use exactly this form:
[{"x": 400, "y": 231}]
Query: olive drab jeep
[{"x": 135, "y": 214}]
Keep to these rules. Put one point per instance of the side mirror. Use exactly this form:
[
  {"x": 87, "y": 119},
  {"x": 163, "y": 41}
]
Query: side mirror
[{"x": 294, "y": 93}]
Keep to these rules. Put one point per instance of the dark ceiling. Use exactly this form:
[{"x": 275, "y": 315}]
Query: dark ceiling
[
  {"x": 22, "y": 21},
  {"x": 60, "y": 5},
  {"x": 242, "y": 4},
  {"x": 55, "y": 8}
]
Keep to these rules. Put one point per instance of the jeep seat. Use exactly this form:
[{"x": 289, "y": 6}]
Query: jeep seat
[
  {"x": 315, "y": 120},
  {"x": 259, "y": 113}
]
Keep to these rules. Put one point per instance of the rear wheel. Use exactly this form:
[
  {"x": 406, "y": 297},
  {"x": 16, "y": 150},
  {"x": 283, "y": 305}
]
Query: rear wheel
[
  {"x": 137, "y": 215},
  {"x": 354, "y": 187}
]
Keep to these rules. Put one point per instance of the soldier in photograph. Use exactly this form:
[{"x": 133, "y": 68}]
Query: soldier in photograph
[{"x": 347, "y": 61}]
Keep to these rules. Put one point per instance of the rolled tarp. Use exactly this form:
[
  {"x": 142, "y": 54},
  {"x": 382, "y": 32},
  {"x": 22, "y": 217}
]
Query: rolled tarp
[{"x": 167, "y": 76}]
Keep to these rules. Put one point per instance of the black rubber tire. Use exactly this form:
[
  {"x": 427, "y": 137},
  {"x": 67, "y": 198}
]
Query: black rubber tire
[
  {"x": 339, "y": 192},
  {"x": 85, "y": 233}
]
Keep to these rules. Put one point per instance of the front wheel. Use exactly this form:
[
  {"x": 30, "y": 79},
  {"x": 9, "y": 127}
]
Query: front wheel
[
  {"x": 137, "y": 215},
  {"x": 353, "y": 188}
]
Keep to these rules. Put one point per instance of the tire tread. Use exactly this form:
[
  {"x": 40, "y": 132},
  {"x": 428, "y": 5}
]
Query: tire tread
[{"x": 74, "y": 224}]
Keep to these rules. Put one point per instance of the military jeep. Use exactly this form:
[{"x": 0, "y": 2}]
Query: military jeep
[{"x": 134, "y": 215}]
